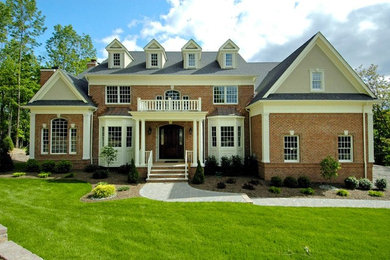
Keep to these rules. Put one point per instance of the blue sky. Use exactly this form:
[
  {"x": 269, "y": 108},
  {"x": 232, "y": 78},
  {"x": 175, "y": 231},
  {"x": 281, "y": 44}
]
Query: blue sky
[{"x": 264, "y": 30}]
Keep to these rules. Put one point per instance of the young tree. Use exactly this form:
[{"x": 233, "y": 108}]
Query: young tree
[
  {"x": 329, "y": 168},
  {"x": 69, "y": 50},
  {"x": 108, "y": 154}
]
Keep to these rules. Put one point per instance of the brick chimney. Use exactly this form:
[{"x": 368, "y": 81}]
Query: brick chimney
[
  {"x": 92, "y": 63},
  {"x": 46, "y": 74}
]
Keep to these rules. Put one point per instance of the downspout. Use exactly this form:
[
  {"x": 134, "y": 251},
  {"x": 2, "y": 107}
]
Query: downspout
[
  {"x": 91, "y": 139},
  {"x": 204, "y": 141},
  {"x": 364, "y": 144}
]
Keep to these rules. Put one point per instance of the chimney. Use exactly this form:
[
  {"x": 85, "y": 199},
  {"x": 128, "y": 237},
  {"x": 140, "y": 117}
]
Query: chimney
[
  {"x": 46, "y": 74},
  {"x": 92, "y": 63}
]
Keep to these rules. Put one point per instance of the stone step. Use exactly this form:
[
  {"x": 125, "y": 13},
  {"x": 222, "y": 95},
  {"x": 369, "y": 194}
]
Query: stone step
[
  {"x": 11, "y": 251},
  {"x": 167, "y": 174},
  {"x": 167, "y": 180},
  {"x": 167, "y": 170}
]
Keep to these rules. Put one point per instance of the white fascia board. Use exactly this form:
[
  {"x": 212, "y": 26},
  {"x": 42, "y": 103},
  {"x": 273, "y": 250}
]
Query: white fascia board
[
  {"x": 60, "y": 109},
  {"x": 225, "y": 117}
]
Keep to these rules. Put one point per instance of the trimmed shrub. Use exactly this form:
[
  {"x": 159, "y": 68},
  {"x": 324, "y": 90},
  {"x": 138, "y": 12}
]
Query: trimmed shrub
[
  {"x": 48, "y": 166},
  {"x": 343, "y": 193},
  {"x": 63, "y": 166},
  {"x": 100, "y": 174},
  {"x": 231, "y": 181},
  {"x": 102, "y": 183},
  {"x": 123, "y": 188},
  {"x": 274, "y": 189},
  {"x": 103, "y": 191},
  {"x": 18, "y": 174},
  {"x": 221, "y": 185},
  {"x": 304, "y": 182},
  {"x": 226, "y": 164},
  {"x": 236, "y": 169},
  {"x": 44, "y": 175},
  {"x": 132, "y": 176},
  {"x": 248, "y": 186},
  {"x": 307, "y": 191},
  {"x": 276, "y": 181},
  {"x": 91, "y": 167},
  {"x": 251, "y": 166},
  {"x": 254, "y": 182},
  {"x": 381, "y": 184},
  {"x": 290, "y": 182},
  {"x": 8, "y": 144},
  {"x": 32, "y": 166},
  {"x": 374, "y": 193},
  {"x": 211, "y": 166},
  {"x": 124, "y": 169},
  {"x": 329, "y": 168},
  {"x": 69, "y": 175},
  {"x": 351, "y": 183},
  {"x": 365, "y": 184},
  {"x": 6, "y": 163},
  {"x": 199, "y": 175}
]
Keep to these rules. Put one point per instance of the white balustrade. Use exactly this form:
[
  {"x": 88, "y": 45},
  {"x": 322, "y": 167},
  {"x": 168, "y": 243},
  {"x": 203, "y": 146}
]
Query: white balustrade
[{"x": 169, "y": 105}]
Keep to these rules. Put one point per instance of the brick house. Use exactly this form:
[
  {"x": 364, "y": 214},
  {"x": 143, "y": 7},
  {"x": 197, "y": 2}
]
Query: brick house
[{"x": 166, "y": 110}]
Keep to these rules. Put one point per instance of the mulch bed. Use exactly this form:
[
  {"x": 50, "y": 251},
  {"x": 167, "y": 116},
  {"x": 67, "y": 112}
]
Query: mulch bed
[{"x": 261, "y": 190}]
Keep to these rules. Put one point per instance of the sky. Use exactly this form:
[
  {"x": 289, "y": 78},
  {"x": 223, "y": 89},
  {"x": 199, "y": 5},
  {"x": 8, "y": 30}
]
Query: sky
[{"x": 263, "y": 30}]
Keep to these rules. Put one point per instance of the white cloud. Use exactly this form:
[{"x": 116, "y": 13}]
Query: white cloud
[
  {"x": 130, "y": 42},
  {"x": 115, "y": 35},
  {"x": 367, "y": 25}
]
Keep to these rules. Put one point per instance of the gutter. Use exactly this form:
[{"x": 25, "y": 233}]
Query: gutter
[{"x": 364, "y": 143}]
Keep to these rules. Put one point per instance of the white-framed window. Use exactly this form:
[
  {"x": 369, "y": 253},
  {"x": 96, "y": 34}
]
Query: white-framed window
[
  {"x": 102, "y": 136},
  {"x": 172, "y": 94},
  {"x": 129, "y": 136},
  {"x": 214, "y": 136},
  {"x": 185, "y": 102},
  {"x": 344, "y": 148},
  {"x": 227, "y": 136},
  {"x": 115, "y": 136},
  {"x": 59, "y": 135},
  {"x": 73, "y": 141},
  {"x": 45, "y": 141},
  {"x": 239, "y": 136},
  {"x": 291, "y": 148},
  {"x": 228, "y": 60},
  {"x": 153, "y": 60},
  {"x": 116, "y": 59},
  {"x": 191, "y": 60},
  {"x": 225, "y": 94},
  {"x": 118, "y": 95},
  {"x": 316, "y": 80}
]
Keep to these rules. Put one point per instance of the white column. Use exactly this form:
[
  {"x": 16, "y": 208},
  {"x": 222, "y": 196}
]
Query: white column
[
  {"x": 136, "y": 141},
  {"x": 194, "y": 144},
  {"x": 201, "y": 142},
  {"x": 370, "y": 130},
  {"x": 32, "y": 136},
  {"x": 86, "y": 136},
  {"x": 142, "y": 159},
  {"x": 265, "y": 137}
]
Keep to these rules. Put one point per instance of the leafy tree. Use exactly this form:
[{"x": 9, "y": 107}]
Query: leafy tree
[
  {"x": 69, "y": 50},
  {"x": 329, "y": 168},
  {"x": 109, "y": 154},
  {"x": 5, "y": 19}
]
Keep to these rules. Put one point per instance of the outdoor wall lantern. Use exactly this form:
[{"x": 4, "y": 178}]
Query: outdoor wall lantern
[
  {"x": 190, "y": 131},
  {"x": 149, "y": 130}
]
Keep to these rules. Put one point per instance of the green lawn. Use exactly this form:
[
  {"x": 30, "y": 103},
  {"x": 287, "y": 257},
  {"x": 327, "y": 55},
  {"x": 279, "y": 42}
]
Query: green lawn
[{"x": 48, "y": 218}]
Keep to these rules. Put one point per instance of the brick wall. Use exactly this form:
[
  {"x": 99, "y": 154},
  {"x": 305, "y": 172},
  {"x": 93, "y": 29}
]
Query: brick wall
[{"x": 257, "y": 142}]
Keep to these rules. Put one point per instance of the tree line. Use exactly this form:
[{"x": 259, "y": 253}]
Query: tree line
[{"x": 21, "y": 24}]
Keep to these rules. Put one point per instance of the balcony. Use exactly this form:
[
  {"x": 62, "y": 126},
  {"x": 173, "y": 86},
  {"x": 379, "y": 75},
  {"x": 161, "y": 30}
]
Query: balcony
[{"x": 169, "y": 105}]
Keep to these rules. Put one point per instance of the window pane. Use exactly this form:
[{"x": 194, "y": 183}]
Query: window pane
[
  {"x": 124, "y": 94},
  {"x": 228, "y": 60},
  {"x": 117, "y": 59},
  {"x": 231, "y": 94},
  {"x": 102, "y": 136},
  {"x": 239, "y": 135},
  {"x": 153, "y": 60},
  {"x": 129, "y": 135},
  {"x": 227, "y": 136},
  {"x": 316, "y": 80},
  {"x": 291, "y": 148},
  {"x": 172, "y": 94},
  {"x": 219, "y": 94},
  {"x": 45, "y": 140},
  {"x": 59, "y": 134},
  {"x": 112, "y": 94},
  {"x": 345, "y": 148},
  {"x": 214, "y": 136},
  {"x": 191, "y": 60},
  {"x": 73, "y": 140},
  {"x": 115, "y": 136}
]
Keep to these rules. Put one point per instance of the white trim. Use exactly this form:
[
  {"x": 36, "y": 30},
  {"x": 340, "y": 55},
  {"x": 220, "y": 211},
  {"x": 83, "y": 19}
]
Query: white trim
[
  {"x": 168, "y": 116},
  {"x": 194, "y": 143},
  {"x": 265, "y": 138},
  {"x": 370, "y": 130},
  {"x": 32, "y": 136},
  {"x": 284, "y": 143},
  {"x": 351, "y": 149},
  {"x": 136, "y": 146},
  {"x": 86, "y": 136}
]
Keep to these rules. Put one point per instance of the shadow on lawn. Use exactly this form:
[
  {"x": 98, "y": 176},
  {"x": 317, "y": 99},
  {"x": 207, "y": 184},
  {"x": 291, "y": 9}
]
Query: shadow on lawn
[{"x": 65, "y": 181}]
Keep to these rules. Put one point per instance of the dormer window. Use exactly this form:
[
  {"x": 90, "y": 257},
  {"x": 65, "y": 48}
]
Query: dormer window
[
  {"x": 227, "y": 55},
  {"x": 155, "y": 55},
  {"x": 228, "y": 59},
  {"x": 191, "y": 60},
  {"x": 118, "y": 55},
  {"x": 154, "y": 60},
  {"x": 116, "y": 59}
]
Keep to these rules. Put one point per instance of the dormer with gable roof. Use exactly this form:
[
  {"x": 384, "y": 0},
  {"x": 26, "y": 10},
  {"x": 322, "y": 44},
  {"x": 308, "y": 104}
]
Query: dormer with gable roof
[
  {"x": 155, "y": 55},
  {"x": 192, "y": 54},
  {"x": 118, "y": 56},
  {"x": 227, "y": 55}
]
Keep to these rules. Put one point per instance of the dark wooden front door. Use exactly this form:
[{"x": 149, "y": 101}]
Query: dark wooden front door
[{"x": 171, "y": 142}]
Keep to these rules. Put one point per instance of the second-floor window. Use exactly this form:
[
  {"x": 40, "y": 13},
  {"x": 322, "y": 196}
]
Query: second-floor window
[
  {"x": 153, "y": 60},
  {"x": 118, "y": 95},
  {"x": 191, "y": 60},
  {"x": 225, "y": 95},
  {"x": 116, "y": 59}
]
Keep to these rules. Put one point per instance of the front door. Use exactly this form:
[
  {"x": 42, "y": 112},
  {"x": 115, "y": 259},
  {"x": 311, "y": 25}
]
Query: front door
[{"x": 171, "y": 142}]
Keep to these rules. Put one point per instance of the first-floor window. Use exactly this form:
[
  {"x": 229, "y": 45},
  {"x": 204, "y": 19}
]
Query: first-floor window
[
  {"x": 213, "y": 136},
  {"x": 59, "y": 134},
  {"x": 345, "y": 148},
  {"x": 227, "y": 136},
  {"x": 129, "y": 136},
  {"x": 115, "y": 136},
  {"x": 102, "y": 136},
  {"x": 239, "y": 136},
  {"x": 73, "y": 140},
  {"x": 45, "y": 140},
  {"x": 291, "y": 148}
]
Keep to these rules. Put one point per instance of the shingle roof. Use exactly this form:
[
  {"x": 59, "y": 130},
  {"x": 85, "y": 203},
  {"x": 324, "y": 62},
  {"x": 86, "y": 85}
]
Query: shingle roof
[
  {"x": 317, "y": 96},
  {"x": 225, "y": 111},
  {"x": 117, "y": 111}
]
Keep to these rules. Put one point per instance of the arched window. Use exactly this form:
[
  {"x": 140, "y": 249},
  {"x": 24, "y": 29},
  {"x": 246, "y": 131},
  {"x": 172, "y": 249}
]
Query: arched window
[
  {"x": 172, "y": 94},
  {"x": 59, "y": 134}
]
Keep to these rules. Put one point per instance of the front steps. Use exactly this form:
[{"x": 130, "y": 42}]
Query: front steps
[{"x": 167, "y": 172}]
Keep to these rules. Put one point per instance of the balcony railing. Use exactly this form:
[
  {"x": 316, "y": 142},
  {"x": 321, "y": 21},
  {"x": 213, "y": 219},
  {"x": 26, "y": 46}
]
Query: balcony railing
[{"x": 169, "y": 105}]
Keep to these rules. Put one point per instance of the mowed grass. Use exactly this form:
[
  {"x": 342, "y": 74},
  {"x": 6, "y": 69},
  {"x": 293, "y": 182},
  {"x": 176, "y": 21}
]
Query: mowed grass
[{"x": 48, "y": 218}]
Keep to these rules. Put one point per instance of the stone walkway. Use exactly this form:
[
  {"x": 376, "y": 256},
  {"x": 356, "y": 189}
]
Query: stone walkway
[{"x": 381, "y": 172}]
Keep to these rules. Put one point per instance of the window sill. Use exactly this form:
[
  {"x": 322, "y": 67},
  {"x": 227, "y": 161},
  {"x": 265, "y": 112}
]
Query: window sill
[
  {"x": 341, "y": 161},
  {"x": 290, "y": 161}
]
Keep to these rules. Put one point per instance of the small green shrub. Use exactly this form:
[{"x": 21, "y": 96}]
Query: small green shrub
[
  {"x": 374, "y": 193},
  {"x": 351, "y": 183},
  {"x": 221, "y": 185},
  {"x": 226, "y": 165},
  {"x": 18, "y": 174},
  {"x": 251, "y": 166},
  {"x": 63, "y": 166},
  {"x": 103, "y": 191},
  {"x": 381, "y": 184},
  {"x": 8, "y": 144},
  {"x": 44, "y": 175},
  {"x": 69, "y": 175},
  {"x": 329, "y": 168},
  {"x": 365, "y": 184},
  {"x": 132, "y": 176},
  {"x": 254, "y": 182},
  {"x": 124, "y": 169},
  {"x": 123, "y": 188},
  {"x": 248, "y": 186},
  {"x": 343, "y": 193},
  {"x": 231, "y": 181},
  {"x": 276, "y": 181},
  {"x": 32, "y": 166},
  {"x": 211, "y": 166},
  {"x": 290, "y": 182},
  {"x": 304, "y": 182},
  {"x": 91, "y": 167},
  {"x": 48, "y": 166},
  {"x": 237, "y": 167},
  {"x": 100, "y": 174},
  {"x": 307, "y": 191},
  {"x": 274, "y": 189},
  {"x": 199, "y": 175}
]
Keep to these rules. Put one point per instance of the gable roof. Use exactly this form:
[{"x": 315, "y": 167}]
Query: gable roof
[
  {"x": 154, "y": 45},
  {"x": 229, "y": 45},
  {"x": 191, "y": 45},
  {"x": 116, "y": 45}
]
